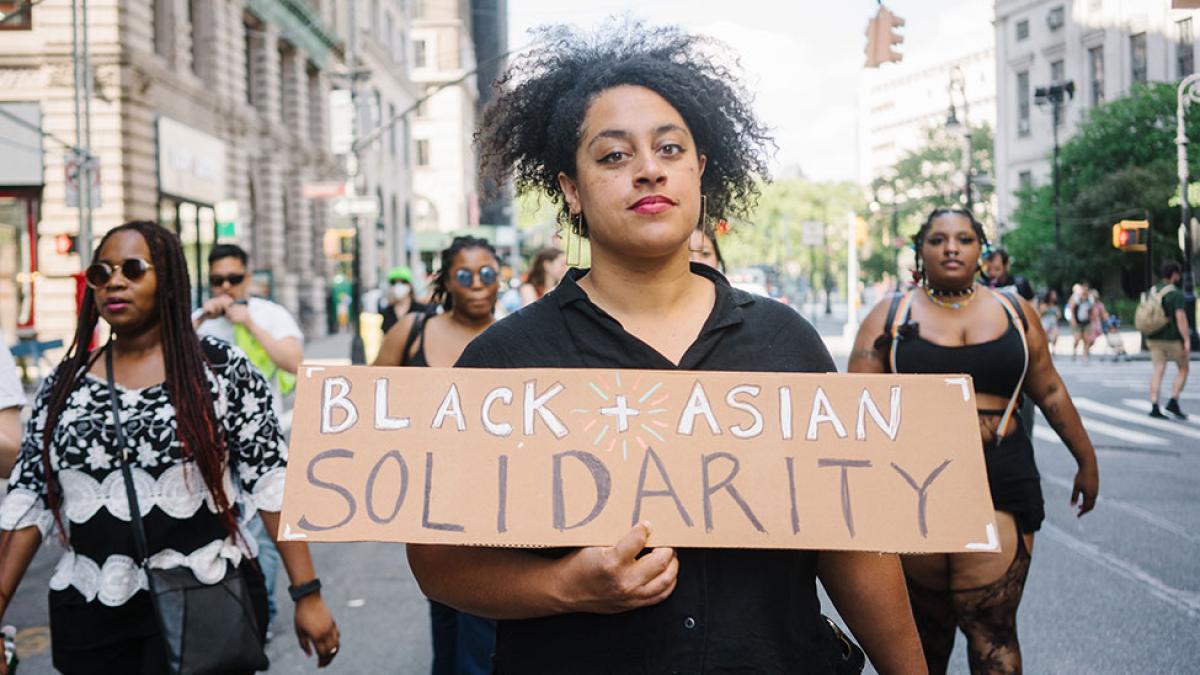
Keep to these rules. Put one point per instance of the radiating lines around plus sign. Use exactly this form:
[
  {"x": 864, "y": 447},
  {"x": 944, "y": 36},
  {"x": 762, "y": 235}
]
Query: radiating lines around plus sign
[
  {"x": 652, "y": 432},
  {"x": 649, "y": 392},
  {"x": 600, "y": 436},
  {"x": 598, "y": 391}
]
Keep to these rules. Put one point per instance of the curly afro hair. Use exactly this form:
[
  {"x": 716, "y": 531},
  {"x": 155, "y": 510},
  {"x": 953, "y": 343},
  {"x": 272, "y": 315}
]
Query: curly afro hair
[{"x": 533, "y": 126}]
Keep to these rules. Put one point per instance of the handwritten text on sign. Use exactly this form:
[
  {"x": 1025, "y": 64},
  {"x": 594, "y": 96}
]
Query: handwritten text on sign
[{"x": 550, "y": 457}]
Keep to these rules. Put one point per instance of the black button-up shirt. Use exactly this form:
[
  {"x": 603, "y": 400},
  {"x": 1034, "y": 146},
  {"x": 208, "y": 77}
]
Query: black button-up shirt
[{"x": 732, "y": 611}]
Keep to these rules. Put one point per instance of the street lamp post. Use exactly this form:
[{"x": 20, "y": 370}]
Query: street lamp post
[
  {"x": 959, "y": 82},
  {"x": 1187, "y": 94},
  {"x": 1055, "y": 95}
]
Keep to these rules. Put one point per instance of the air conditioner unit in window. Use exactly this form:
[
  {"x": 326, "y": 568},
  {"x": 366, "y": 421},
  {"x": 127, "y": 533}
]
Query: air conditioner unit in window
[{"x": 1055, "y": 18}]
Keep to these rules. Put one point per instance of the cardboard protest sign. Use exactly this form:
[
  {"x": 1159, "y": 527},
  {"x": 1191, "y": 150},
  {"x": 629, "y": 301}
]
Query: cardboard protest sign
[{"x": 551, "y": 457}]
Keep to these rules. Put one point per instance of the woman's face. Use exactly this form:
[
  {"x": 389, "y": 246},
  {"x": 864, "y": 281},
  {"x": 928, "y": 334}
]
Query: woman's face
[
  {"x": 951, "y": 251},
  {"x": 556, "y": 269},
  {"x": 128, "y": 305},
  {"x": 703, "y": 250},
  {"x": 637, "y": 175},
  {"x": 474, "y": 298}
]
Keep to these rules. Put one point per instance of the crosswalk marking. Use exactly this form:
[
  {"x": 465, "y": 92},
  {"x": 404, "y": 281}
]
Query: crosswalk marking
[
  {"x": 1125, "y": 434},
  {"x": 1042, "y": 433},
  {"x": 1144, "y": 407},
  {"x": 1114, "y": 412}
]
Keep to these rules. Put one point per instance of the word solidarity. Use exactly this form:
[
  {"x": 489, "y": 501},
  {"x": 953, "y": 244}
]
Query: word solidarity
[{"x": 576, "y": 457}]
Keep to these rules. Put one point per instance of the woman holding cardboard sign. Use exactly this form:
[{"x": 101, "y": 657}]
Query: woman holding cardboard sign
[
  {"x": 640, "y": 133},
  {"x": 951, "y": 324}
]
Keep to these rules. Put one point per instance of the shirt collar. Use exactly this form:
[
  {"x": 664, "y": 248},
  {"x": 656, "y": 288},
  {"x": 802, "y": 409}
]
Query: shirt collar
[{"x": 727, "y": 310}]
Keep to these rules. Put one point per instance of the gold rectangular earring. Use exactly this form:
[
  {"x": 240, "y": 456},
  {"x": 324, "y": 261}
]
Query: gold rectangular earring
[{"x": 573, "y": 233}]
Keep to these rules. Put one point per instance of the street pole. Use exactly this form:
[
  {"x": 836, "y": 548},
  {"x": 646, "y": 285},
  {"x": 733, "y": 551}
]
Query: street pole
[
  {"x": 358, "y": 354},
  {"x": 1187, "y": 94},
  {"x": 1057, "y": 225},
  {"x": 959, "y": 82},
  {"x": 850, "y": 329},
  {"x": 82, "y": 149}
]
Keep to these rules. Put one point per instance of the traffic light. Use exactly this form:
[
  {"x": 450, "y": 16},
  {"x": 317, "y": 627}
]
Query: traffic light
[
  {"x": 1131, "y": 235},
  {"x": 882, "y": 37}
]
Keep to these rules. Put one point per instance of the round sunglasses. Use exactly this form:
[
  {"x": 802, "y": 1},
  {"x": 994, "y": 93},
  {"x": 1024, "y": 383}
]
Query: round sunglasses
[
  {"x": 100, "y": 273},
  {"x": 465, "y": 277}
]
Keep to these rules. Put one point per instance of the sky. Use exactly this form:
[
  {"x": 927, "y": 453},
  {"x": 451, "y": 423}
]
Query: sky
[{"x": 802, "y": 60}]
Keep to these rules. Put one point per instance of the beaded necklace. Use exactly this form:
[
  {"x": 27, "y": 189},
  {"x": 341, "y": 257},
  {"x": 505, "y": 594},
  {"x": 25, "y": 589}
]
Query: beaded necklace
[{"x": 963, "y": 296}]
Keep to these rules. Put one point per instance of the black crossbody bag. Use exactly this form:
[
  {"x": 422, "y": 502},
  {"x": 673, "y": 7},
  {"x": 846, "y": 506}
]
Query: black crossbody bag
[{"x": 205, "y": 628}]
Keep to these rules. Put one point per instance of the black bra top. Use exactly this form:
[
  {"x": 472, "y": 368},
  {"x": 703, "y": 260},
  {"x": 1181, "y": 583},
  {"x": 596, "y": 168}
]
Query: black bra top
[
  {"x": 417, "y": 335},
  {"x": 995, "y": 365}
]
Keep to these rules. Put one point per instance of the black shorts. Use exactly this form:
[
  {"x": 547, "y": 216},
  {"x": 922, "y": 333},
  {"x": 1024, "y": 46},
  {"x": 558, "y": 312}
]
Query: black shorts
[{"x": 1015, "y": 482}]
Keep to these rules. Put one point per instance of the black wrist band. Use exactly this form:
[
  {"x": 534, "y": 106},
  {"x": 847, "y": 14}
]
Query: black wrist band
[{"x": 306, "y": 588}]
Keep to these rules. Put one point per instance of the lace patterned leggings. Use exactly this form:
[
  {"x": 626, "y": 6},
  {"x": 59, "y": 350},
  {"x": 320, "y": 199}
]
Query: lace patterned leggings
[{"x": 986, "y": 614}]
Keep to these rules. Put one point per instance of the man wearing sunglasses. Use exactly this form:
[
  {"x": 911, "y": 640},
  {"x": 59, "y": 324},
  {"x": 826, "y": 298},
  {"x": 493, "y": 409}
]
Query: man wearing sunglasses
[{"x": 273, "y": 341}]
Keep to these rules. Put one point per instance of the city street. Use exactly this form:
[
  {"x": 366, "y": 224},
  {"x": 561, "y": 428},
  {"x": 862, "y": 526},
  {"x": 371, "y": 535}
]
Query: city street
[{"x": 1115, "y": 592}]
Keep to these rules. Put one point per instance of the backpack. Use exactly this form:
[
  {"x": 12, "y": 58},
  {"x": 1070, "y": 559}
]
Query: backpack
[
  {"x": 1083, "y": 311},
  {"x": 1150, "y": 316}
]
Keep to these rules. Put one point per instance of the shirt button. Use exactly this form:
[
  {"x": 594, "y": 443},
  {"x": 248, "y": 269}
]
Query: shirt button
[{"x": 689, "y": 623}]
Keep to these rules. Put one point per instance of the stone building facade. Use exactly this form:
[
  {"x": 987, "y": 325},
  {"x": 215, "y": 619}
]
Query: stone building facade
[{"x": 208, "y": 116}]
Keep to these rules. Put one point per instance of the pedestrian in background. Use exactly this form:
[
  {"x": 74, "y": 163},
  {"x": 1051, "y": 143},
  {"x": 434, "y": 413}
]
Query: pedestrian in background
[
  {"x": 1171, "y": 342},
  {"x": 952, "y": 324},
  {"x": 466, "y": 287},
  {"x": 12, "y": 400},
  {"x": 996, "y": 270},
  {"x": 703, "y": 249},
  {"x": 630, "y": 130},
  {"x": 401, "y": 298},
  {"x": 204, "y": 449},
  {"x": 1051, "y": 315},
  {"x": 270, "y": 337},
  {"x": 1079, "y": 313},
  {"x": 547, "y": 269}
]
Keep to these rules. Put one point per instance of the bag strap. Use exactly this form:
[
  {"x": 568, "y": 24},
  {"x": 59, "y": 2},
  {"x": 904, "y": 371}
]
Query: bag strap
[
  {"x": 897, "y": 316},
  {"x": 135, "y": 513},
  {"x": 1018, "y": 320},
  {"x": 418, "y": 328}
]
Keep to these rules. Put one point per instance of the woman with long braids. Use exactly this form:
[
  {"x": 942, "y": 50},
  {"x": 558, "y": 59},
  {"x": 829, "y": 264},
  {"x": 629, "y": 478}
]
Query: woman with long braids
[
  {"x": 206, "y": 453},
  {"x": 466, "y": 287},
  {"x": 952, "y": 324},
  {"x": 631, "y": 130}
]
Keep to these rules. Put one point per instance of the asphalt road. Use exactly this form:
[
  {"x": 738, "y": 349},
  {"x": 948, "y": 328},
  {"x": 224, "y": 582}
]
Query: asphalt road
[{"x": 1115, "y": 592}]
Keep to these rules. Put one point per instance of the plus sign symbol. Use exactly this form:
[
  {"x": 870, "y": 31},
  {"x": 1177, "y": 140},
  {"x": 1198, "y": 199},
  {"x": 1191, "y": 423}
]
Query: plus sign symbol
[{"x": 625, "y": 402}]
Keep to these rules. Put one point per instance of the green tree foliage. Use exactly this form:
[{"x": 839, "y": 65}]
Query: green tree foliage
[
  {"x": 772, "y": 234},
  {"x": 922, "y": 180},
  {"x": 1119, "y": 164}
]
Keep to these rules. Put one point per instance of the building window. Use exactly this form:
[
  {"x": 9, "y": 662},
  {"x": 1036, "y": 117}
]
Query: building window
[
  {"x": 1055, "y": 18},
  {"x": 160, "y": 30},
  {"x": 1023, "y": 103},
  {"x": 420, "y": 54},
  {"x": 1057, "y": 71},
  {"x": 1025, "y": 180},
  {"x": 1096, "y": 72},
  {"x": 1022, "y": 30},
  {"x": 16, "y": 15},
  {"x": 389, "y": 35},
  {"x": 1184, "y": 54},
  {"x": 423, "y": 152},
  {"x": 1137, "y": 57},
  {"x": 247, "y": 37},
  {"x": 391, "y": 130},
  {"x": 286, "y": 72}
]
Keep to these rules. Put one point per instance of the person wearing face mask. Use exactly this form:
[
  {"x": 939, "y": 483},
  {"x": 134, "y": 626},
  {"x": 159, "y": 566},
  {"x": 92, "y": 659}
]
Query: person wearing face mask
[
  {"x": 951, "y": 323},
  {"x": 466, "y": 287},
  {"x": 401, "y": 298},
  {"x": 631, "y": 131}
]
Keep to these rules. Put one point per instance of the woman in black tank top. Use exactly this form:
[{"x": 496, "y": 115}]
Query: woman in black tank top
[
  {"x": 951, "y": 324},
  {"x": 465, "y": 287}
]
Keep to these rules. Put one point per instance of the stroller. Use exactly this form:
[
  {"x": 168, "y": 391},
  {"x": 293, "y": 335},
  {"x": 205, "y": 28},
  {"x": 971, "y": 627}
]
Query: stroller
[{"x": 1112, "y": 336}]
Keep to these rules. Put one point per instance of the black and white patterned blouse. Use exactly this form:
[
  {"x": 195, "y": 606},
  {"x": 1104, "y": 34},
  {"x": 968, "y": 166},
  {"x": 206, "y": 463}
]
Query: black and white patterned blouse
[{"x": 182, "y": 527}]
